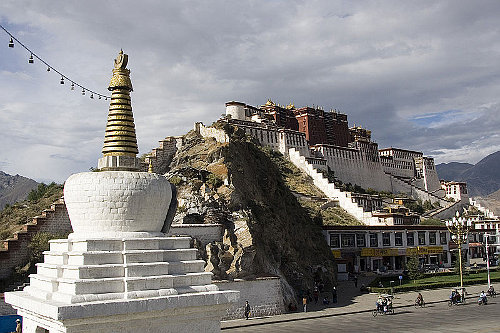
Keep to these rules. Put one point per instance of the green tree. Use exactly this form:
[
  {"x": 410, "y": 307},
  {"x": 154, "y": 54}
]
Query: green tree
[
  {"x": 428, "y": 205},
  {"x": 40, "y": 243},
  {"x": 412, "y": 265},
  {"x": 431, "y": 221},
  {"x": 415, "y": 206}
]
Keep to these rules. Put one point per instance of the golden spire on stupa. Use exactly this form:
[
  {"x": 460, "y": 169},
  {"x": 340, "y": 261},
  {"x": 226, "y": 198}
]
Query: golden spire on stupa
[
  {"x": 120, "y": 143},
  {"x": 120, "y": 136}
]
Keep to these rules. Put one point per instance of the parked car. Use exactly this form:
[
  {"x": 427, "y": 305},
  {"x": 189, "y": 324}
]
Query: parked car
[{"x": 431, "y": 268}]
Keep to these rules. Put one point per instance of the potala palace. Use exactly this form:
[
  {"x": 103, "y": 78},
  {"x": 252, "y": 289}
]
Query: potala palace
[{"x": 321, "y": 143}]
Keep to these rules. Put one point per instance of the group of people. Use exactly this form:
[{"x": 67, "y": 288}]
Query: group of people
[
  {"x": 455, "y": 296},
  {"x": 483, "y": 299},
  {"x": 384, "y": 304}
]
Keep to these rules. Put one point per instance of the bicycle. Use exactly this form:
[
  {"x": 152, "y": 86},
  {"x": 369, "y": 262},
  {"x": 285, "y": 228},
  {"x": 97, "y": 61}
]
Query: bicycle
[{"x": 419, "y": 304}]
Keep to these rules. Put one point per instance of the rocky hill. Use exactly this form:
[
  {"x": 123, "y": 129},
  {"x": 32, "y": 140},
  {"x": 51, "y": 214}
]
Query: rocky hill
[
  {"x": 248, "y": 189},
  {"x": 482, "y": 178},
  {"x": 14, "y": 188},
  {"x": 492, "y": 202}
]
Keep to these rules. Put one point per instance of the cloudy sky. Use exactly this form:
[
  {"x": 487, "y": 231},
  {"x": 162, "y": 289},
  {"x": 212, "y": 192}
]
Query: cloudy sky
[{"x": 422, "y": 75}]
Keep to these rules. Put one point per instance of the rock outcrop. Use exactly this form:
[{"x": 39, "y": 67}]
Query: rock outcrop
[{"x": 266, "y": 230}]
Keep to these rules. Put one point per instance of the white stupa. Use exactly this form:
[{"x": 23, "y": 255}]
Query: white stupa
[{"x": 117, "y": 272}]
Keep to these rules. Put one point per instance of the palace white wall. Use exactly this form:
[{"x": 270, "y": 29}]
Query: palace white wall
[{"x": 352, "y": 166}]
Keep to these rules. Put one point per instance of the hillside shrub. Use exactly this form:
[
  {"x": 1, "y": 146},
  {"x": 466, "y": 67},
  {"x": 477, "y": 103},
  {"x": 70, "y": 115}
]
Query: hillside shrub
[{"x": 40, "y": 191}]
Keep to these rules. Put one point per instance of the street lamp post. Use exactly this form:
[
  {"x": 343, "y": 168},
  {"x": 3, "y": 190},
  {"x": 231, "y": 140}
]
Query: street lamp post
[
  {"x": 487, "y": 259},
  {"x": 459, "y": 227}
]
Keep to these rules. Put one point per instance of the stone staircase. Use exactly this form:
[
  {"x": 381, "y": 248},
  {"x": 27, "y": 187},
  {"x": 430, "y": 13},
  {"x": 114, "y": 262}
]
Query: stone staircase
[
  {"x": 15, "y": 252},
  {"x": 161, "y": 156},
  {"x": 419, "y": 191},
  {"x": 344, "y": 198}
]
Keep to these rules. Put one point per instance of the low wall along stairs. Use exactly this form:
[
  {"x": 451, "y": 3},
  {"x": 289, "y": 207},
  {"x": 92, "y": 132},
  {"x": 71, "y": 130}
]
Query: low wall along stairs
[
  {"x": 344, "y": 198},
  {"x": 15, "y": 252}
]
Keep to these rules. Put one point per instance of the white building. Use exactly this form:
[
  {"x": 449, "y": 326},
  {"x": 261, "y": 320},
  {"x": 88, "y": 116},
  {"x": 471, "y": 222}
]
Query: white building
[{"x": 455, "y": 190}]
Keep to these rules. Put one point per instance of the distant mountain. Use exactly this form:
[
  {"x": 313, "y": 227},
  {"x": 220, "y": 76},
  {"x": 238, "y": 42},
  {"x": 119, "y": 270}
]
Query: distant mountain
[
  {"x": 452, "y": 170},
  {"x": 14, "y": 188},
  {"x": 482, "y": 178}
]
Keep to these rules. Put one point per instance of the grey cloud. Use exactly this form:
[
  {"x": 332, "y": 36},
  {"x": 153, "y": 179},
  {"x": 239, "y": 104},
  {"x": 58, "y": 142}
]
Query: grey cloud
[{"x": 381, "y": 63}]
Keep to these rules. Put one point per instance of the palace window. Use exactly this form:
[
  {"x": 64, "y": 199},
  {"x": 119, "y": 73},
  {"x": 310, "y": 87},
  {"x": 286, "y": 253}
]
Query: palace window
[
  {"x": 432, "y": 238},
  {"x": 421, "y": 238},
  {"x": 442, "y": 238},
  {"x": 386, "y": 239},
  {"x": 334, "y": 240},
  {"x": 360, "y": 240},
  {"x": 373, "y": 240},
  {"x": 410, "y": 238},
  {"x": 398, "y": 239},
  {"x": 348, "y": 240}
]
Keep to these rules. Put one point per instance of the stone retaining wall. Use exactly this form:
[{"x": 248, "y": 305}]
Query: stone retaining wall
[
  {"x": 210, "y": 132},
  {"x": 206, "y": 233},
  {"x": 263, "y": 294}
]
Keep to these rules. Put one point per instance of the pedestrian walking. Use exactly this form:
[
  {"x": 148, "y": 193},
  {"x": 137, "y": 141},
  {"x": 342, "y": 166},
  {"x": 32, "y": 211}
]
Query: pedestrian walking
[
  {"x": 316, "y": 295},
  {"x": 334, "y": 295},
  {"x": 304, "y": 303},
  {"x": 355, "y": 281},
  {"x": 247, "y": 310},
  {"x": 19, "y": 326}
]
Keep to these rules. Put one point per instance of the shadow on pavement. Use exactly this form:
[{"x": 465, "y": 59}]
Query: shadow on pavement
[{"x": 401, "y": 312}]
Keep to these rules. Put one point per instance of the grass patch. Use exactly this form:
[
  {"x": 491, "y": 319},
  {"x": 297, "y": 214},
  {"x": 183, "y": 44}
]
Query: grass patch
[
  {"x": 295, "y": 179},
  {"x": 328, "y": 215},
  {"x": 433, "y": 281}
]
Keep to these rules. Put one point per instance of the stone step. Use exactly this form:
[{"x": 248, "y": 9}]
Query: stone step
[
  {"x": 91, "y": 245},
  {"x": 160, "y": 255},
  {"x": 104, "y": 271},
  {"x": 118, "y": 284},
  {"x": 90, "y": 286},
  {"x": 186, "y": 266},
  {"x": 192, "y": 279},
  {"x": 72, "y": 299},
  {"x": 196, "y": 289},
  {"x": 43, "y": 283},
  {"x": 118, "y": 270},
  {"x": 118, "y": 257}
]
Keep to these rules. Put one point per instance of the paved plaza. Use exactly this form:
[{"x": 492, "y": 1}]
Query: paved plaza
[
  {"x": 354, "y": 314},
  {"x": 436, "y": 317}
]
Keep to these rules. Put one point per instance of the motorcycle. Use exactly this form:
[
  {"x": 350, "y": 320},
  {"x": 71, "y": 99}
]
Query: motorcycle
[{"x": 482, "y": 300}]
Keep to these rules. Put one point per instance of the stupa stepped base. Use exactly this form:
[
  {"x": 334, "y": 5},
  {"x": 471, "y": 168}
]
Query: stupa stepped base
[
  {"x": 110, "y": 281},
  {"x": 186, "y": 313}
]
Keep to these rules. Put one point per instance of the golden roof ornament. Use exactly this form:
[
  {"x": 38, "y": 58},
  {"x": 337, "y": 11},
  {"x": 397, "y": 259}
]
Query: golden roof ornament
[
  {"x": 121, "y": 75},
  {"x": 120, "y": 139}
]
